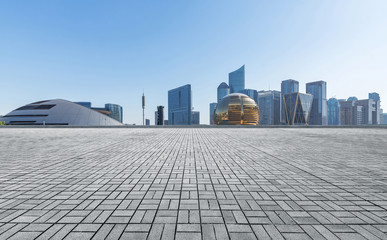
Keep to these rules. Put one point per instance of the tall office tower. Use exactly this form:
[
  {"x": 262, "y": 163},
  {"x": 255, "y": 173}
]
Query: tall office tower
[
  {"x": 180, "y": 105},
  {"x": 116, "y": 111},
  {"x": 269, "y": 103},
  {"x": 333, "y": 111},
  {"x": 223, "y": 90},
  {"x": 297, "y": 108},
  {"x": 377, "y": 113},
  {"x": 319, "y": 113},
  {"x": 384, "y": 120},
  {"x": 350, "y": 112},
  {"x": 287, "y": 86},
  {"x": 369, "y": 111},
  {"x": 147, "y": 122},
  {"x": 195, "y": 117},
  {"x": 212, "y": 109},
  {"x": 252, "y": 93},
  {"x": 159, "y": 115},
  {"x": 236, "y": 80}
]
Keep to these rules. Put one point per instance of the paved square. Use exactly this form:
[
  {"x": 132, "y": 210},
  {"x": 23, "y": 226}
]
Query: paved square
[{"x": 193, "y": 183}]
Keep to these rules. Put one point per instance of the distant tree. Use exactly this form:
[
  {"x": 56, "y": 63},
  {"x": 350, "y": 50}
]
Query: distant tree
[{"x": 2, "y": 123}]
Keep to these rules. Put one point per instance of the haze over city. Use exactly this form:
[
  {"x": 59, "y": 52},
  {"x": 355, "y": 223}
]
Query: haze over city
[{"x": 113, "y": 51}]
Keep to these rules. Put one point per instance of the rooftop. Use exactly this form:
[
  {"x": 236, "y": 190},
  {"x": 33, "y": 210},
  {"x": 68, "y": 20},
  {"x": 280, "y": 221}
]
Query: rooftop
[{"x": 193, "y": 183}]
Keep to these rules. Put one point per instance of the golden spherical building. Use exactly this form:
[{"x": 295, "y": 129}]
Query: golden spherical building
[{"x": 236, "y": 109}]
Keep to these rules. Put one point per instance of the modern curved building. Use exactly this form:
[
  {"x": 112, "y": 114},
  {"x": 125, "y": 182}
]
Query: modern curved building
[
  {"x": 236, "y": 109},
  {"x": 236, "y": 80},
  {"x": 223, "y": 90},
  {"x": 57, "y": 112}
]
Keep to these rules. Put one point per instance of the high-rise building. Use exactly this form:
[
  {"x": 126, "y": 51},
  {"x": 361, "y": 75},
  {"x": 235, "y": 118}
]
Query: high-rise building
[
  {"x": 384, "y": 120},
  {"x": 252, "y": 93},
  {"x": 287, "y": 86},
  {"x": 212, "y": 109},
  {"x": 223, "y": 90},
  {"x": 165, "y": 122},
  {"x": 180, "y": 105},
  {"x": 376, "y": 114},
  {"x": 269, "y": 103},
  {"x": 195, "y": 117},
  {"x": 147, "y": 122},
  {"x": 333, "y": 111},
  {"x": 297, "y": 108},
  {"x": 236, "y": 80},
  {"x": 369, "y": 111},
  {"x": 159, "y": 115},
  {"x": 116, "y": 111},
  {"x": 350, "y": 112},
  {"x": 319, "y": 113}
]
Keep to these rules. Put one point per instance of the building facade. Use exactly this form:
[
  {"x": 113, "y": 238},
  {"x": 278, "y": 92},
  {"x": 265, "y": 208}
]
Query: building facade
[
  {"x": 147, "y": 122},
  {"x": 333, "y": 111},
  {"x": 377, "y": 113},
  {"x": 116, "y": 111},
  {"x": 350, "y": 112},
  {"x": 58, "y": 112},
  {"x": 287, "y": 86},
  {"x": 252, "y": 93},
  {"x": 297, "y": 108},
  {"x": 223, "y": 90},
  {"x": 180, "y": 105},
  {"x": 212, "y": 109},
  {"x": 195, "y": 118},
  {"x": 319, "y": 113},
  {"x": 236, "y": 80},
  {"x": 269, "y": 103},
  {"x": 384, "y": 118},
  {"x": 159, "y": 115}
]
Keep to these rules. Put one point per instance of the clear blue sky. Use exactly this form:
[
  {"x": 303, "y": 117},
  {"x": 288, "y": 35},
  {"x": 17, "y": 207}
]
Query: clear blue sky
[{"x": 109, "y": 51}]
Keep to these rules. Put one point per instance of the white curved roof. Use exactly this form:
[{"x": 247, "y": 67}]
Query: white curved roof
[{"x": 57, "y": 112}]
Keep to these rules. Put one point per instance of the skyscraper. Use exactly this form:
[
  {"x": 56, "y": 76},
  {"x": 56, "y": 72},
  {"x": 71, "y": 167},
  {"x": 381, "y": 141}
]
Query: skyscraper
[
  {"x": 180, "y": 105},
  {"x": 116, "y": 111},
  {"x": 350, "y": 112},
  {"x": 333, "y": 111},
  {"x": 287, "y": 86},
  {"x": 195, "y": 117},
  {"x": 212, "y": 109},
  {"x": 376, "y": 119},
  {"x": 269, "y": 103},
  {"x": 319, "y": 114},
  {"x": 297, "y": 108},
  {"x": 236, "y": 80},
  {"x": 252, "y": 93},
  {"x": 159, "y": 115},
  {"x": 223, "y": 90}
]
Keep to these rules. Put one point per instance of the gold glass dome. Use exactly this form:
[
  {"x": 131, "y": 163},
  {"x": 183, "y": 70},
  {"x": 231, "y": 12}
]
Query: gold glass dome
[{"x": 236, "y": 109}]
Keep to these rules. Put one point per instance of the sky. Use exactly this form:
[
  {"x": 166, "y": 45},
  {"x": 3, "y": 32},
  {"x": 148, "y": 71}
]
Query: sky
[{"x": 113, "y": 51}]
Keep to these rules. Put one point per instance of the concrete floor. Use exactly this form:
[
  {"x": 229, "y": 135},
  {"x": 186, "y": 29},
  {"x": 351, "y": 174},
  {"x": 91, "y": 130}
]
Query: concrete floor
[{"x": 193, "y": 183}]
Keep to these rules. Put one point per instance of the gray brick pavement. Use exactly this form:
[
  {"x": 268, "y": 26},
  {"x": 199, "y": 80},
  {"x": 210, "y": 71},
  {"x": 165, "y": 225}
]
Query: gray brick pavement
[{"x": 193, "y": 183}]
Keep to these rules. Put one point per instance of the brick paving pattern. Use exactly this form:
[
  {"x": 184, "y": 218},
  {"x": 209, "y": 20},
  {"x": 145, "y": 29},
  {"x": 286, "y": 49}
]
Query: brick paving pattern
[{"x": 193, "y": 183}]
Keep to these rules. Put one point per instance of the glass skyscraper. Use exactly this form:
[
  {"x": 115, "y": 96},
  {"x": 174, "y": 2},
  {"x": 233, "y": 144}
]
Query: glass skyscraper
[
  {"x": 333, "y": 112},
  {"x": 269, "y": 103},
  {"x": 223, "y": 90},
  {"x": 159, "y": 115},
  {"x": 287, "y": 86},
  {"x": 212, "y": 109},
  {"x": 297, "y": 108},
  {"x": 236, "y": 80},
  {"x": 180, "y": 105},
  {"x": 252, "y": 93},
  {"x": 376, "y": 118},
  {"x": 116, "y": 111},
  {"x": 319, "y": 113},
  {"x": 195, "y": 117}
]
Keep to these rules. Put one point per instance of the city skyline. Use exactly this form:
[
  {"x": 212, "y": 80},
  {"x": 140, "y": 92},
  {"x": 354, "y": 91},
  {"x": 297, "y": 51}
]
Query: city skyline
[{"x": 65, "y": 53}]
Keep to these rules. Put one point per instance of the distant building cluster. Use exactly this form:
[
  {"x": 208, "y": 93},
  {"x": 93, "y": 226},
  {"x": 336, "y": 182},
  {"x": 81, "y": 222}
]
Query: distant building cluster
[{"x": 291, "y": 107}]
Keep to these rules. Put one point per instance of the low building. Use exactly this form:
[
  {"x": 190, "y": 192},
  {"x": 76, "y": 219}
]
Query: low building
[
  {"x": 195, "y": 118},
  {"x": 57, "y": 112}
]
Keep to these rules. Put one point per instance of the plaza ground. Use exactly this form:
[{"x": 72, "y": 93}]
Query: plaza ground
[{"x": 193, "y": 183}]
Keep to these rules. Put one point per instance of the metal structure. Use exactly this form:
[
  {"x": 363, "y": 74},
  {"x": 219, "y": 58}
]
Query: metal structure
[
  {"x": 236, "y": 109},
  {"x": 297, "y": 108}
]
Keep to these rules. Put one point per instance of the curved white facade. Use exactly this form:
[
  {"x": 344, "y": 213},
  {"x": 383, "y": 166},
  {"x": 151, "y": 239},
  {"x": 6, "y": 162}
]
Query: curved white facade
[{"x": 57, "y": 112}]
